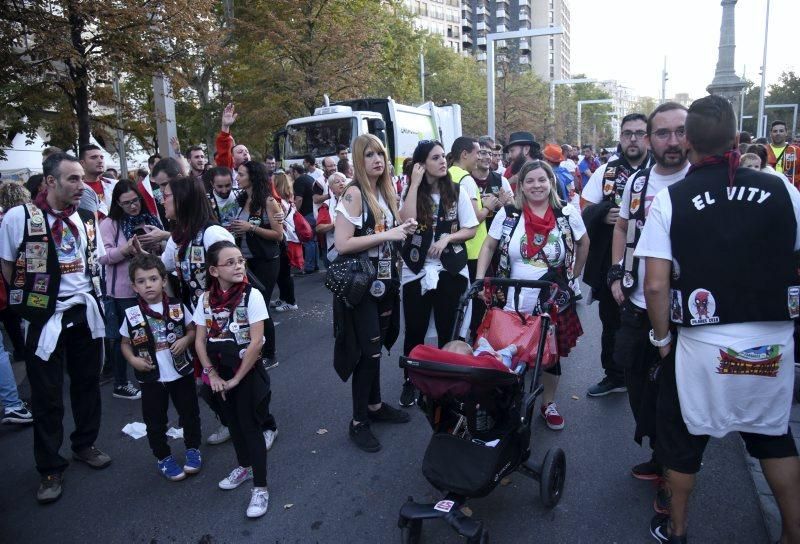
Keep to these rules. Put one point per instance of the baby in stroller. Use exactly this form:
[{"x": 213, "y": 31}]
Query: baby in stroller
[
  {"x": 483, "y": 347},
  {"x": 479, "y": 408}
]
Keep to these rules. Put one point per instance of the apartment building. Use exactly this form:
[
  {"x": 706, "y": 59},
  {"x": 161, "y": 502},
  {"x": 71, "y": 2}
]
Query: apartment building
[{"x": 441, "y": 17}]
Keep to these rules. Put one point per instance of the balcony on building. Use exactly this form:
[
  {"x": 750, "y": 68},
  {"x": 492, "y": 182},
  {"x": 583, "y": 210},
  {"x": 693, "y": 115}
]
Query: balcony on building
[
  {"x": 466, "y": 24},
  {"x": 481, "y": 57},
  {"x": 525, "y": 59},
  {"x": 502, "y": 4},
  {"x": 466, "y": 41},
  {"x": 482, "y": 42},
  {"x": 480, "y": 27},
  {"x": 480, "y": 10},
  {"x": 467, "y": 8},
  {"x": 524, "y": 16},
  {"x": 500, "y": 28},
  {"x": 524, "y": 44},
  {"x": 500, "y": 13},
  {"x": 501, "y": 44}
]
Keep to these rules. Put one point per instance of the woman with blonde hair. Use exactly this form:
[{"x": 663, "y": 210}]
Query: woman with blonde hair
[
  {"x": 291, "y": 248},
  {"x": 540, "y": 238},
  {"x": 366, "y": 223}
]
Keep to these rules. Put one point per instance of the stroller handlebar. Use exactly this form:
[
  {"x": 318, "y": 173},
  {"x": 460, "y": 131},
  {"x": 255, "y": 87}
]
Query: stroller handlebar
[{"x": 506, "y": 282}]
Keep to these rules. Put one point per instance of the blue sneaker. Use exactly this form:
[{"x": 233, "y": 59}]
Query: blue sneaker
[
  {"x": 170, "y": 469},
  {"x": 194, "y": 461}
]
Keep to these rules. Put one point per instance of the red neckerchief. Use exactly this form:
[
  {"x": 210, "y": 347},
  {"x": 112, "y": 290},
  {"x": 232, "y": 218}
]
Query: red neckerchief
[
  {"x": 220, "y": 300},
  {"x": 731, "y": 158},
  {"x": 144, "y": 306},
  {"x": 63, "y": 215},
  {"x": 482, "y": 183},
  {"x": 535, "y": 225}
]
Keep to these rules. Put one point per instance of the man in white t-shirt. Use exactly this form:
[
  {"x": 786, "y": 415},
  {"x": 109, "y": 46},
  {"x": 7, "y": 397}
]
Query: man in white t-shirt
[
  {"x": 223, "y": 197},
  {"x": 632, "y": 350},
  {"x": 600, "y": 200},
  {"x": 720, "y": 263},
  {"x": 50, "y": 259}
]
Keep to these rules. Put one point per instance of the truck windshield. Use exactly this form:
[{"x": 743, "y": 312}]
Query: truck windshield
[{"x": 319, "y": 138}]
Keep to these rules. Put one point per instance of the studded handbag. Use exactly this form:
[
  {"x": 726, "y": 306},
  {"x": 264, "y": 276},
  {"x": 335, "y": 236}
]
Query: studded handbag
[{"x": 349, "y": 278}]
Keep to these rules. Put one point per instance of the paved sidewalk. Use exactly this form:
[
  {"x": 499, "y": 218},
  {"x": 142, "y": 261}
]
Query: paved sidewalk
[{"x": 772, "y": 517}]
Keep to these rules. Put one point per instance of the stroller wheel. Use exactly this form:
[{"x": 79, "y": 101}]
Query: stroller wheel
[
  {"x": 554, "y": 471},
  {"x": 411, "y": 532}
]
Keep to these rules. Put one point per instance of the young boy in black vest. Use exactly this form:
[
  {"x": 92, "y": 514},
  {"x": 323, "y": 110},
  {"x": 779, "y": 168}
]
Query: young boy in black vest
[{"x": 155, "y": 335}]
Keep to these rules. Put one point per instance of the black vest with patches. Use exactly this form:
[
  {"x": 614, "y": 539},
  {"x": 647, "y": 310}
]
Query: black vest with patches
[
  {"x": 192, "y": 276},
  {"x": 228, "y": 347},
  {"x": 415, "y": 248},
  {"x": 630, "y": 264},
  {"x": 143, "y": 340},
  {"x": 616, "y": 176},
  {"x": 37, "y": 273},
  {"x": 733, "y": 248},
  {"x": 260, "y": 247},
  {"x": 494, "y": 185}
]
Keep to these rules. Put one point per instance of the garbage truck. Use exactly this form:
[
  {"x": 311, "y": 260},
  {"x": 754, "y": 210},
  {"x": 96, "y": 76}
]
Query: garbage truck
[{"x": 400, "y": 127}]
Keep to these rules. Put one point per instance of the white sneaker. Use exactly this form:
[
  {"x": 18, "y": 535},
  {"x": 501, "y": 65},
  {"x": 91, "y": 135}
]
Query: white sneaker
[
  {"x": 259, "y": 501},
  {"x": 275, "y": 303},
  {"x": 237, "y": 477},
  {"x": 285, "y": 307},
  {"x": 269, "y": 438},
  {"x": 222, "y": 434}
]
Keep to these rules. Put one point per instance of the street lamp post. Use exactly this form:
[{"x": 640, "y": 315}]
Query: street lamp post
[
  {"x": 553, "y": 84},
  {"x": 580, "y": 108},
  {"x": 761, "y": 132},
  {"x": 490, "y": 75}
]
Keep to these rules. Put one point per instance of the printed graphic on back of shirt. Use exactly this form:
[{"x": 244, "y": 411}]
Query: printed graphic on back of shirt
[
  {"x": 68, "y": 254},
  {"x": 758, "y": 361}
]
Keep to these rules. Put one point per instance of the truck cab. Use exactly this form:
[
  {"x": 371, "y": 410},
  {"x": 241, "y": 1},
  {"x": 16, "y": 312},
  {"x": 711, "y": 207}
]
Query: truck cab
[{"x": 399, "y": 127}]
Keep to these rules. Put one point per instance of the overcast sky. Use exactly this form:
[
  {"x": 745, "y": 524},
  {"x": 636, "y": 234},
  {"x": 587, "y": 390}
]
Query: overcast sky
[{"x": 627, "y": 40}]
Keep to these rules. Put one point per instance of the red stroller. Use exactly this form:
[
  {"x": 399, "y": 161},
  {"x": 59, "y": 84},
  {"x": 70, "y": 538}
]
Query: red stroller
[{"x": 480, "y": 413}]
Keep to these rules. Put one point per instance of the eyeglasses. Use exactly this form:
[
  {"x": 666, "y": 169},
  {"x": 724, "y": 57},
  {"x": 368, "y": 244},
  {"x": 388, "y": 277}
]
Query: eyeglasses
[
  {"x": 130, "y": 203},
  {"x": 665, "y": 134},
  {"x": 484, "y": 153},
  {"x": 628, "y": 134},
  {"x": 233, "y": 262}
]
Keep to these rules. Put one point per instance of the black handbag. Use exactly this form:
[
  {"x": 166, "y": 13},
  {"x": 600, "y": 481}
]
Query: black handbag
[{"x": 350, "y": 277}]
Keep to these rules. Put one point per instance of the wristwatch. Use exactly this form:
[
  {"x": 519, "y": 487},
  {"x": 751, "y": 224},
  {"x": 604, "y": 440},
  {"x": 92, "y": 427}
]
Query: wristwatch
[{"x": 660, "y": 343}]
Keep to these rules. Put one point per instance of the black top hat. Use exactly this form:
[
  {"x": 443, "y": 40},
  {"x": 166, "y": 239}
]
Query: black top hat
[{"x": 520, "y": 138}]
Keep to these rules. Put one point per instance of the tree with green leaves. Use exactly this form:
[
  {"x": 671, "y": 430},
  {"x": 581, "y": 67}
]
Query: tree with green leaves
[{"x": 59, "y": 57}]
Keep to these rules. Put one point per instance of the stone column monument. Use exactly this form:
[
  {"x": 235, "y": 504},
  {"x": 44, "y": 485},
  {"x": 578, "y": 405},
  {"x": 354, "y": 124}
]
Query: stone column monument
[{"x": 726, "y": 83}]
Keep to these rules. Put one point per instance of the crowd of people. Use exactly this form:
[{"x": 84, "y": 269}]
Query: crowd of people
[{"x": 172, "y": 275}]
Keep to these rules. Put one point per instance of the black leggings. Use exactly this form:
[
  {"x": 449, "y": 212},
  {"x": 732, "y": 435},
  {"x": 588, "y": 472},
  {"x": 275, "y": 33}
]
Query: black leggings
[
  {"x": 155, "y": 403},
  {"x": 372, "y": 319},
  {"x": 443, "y": 301},
  {"x": 266, "y": 271},
  {"x": 285, "y": 280},
  {"x": 248, "y": 439}
]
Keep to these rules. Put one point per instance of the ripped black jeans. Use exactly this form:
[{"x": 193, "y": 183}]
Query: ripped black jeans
[{"x": 372, "y": 318}]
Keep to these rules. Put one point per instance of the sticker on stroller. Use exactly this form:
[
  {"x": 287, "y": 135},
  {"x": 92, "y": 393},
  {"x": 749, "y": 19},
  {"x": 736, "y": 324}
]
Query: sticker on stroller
[{"x": 444, "y": 506}]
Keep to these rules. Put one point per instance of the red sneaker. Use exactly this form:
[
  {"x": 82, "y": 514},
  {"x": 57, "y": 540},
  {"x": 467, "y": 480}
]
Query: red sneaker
[{"x": 552, "y": 417}]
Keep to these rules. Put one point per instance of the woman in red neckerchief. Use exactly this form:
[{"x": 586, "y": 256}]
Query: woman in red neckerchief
[{"x": 548, "y": 238}]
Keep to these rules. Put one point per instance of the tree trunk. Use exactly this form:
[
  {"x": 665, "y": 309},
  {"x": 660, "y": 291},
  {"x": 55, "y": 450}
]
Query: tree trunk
[{"x": 79, "y": 74}]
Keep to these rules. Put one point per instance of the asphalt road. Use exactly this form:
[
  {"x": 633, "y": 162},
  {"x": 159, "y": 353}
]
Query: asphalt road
[{"x": 322, "y": 489}]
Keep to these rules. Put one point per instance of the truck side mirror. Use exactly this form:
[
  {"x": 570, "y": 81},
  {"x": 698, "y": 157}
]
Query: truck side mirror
[{"x": 377, "y": 127}]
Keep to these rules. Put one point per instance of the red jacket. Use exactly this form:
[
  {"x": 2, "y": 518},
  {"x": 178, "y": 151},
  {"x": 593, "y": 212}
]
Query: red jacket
[{"x": 224, "y": 146}]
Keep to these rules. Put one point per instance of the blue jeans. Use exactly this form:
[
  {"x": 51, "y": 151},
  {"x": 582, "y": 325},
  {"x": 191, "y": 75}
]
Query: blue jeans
[
  {"x": 310, "y": 248},
  {"x": 9, "y": 395},
  {"x": 115, "y": 314}
]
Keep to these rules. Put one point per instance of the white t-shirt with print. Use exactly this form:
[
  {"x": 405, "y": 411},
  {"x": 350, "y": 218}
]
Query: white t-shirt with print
[
  {"x": 593, "y": 189},
  {"x": 71, "y": 252},
  {"x": 534, "y": 268},
  {"x": 166, "y": 368},
  {"x": 466, "y": 219},
  {"x": 228, "y": 208},
  {"x": 358, "y": 222},
  {"x": 256, "y": 311},
  {"x": 655, "y": 184},
  {"x": 714, "y": 402}
]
